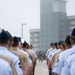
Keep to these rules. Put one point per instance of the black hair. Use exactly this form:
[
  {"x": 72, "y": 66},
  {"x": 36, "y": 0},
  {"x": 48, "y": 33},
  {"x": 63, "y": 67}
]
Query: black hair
[
  {"x": 4, "y": 41},
  {"x": 5, "y": 38},
  {"x": 51, "y": 44},
  {"x": 10, "y": 36},
  {"x": 15, "y": 41},
  {"x": 67, "y": 40},
  {"x": 31, "y": 46}
]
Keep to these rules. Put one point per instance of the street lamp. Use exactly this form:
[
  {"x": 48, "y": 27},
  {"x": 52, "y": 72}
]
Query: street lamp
[{"x": 22, "y": 30}]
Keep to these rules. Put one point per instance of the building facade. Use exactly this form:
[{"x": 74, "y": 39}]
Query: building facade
[
  {"x": 55, "y": 25},
  {"x": 35, "y": 39},
  {"x": 46, "y": 9},
  {"x": 53, "y": 20},
  {"x": 36, "y": 32},
  {"x": 70, "y": 23},
  {"x": 59, "y": 26}
]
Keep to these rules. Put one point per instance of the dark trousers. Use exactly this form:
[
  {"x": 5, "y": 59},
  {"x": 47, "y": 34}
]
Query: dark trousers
[{"x": 50, "y": 72}]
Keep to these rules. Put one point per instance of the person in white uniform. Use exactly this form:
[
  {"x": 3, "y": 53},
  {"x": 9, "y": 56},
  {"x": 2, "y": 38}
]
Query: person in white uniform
[
  {"x": 51, "y": 48},
  {"x": 48, "y": 51},
  {"x": 69, "y": 61},
  {"x": 72, "y": 69},
  {"x": 64, "y": 55},
  {"x": 35, "y": 58},
  {"x": 5, "y": 68},
  {"x": 4, "y": 42},
  {"x": 50, "y": 55}
]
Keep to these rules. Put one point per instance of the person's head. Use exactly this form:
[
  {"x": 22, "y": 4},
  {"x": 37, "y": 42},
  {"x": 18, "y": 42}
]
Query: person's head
[
  {"x": 51, "y": 45},
  {"x": 25, "y": 45},
  {"x": 10, "y": 38},
  {"x": 55, "y": 45},
  {"x": 19, "y": 43},
  {"x": 67, "y": 42},
  {"x": 15, "y": 42},
  {"x": 4, "y": 38},
  {"x": 31, "y": 46},
  {"x": 59, "y": 44},
  {"x": 62, "y": 46},
  {"x": 72, "y": 37}
]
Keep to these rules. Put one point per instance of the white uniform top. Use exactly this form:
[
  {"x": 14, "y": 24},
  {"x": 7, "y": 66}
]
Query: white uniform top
[
  {"x": 48, "y": 51},
  {"x": 51, "y": 53},
  {"x": 29, "y": 60},
  {"x": 5, "y": 68},
  {"x": 62, "y": 58},
  {"x": 4, "y": 51},
  {"x": 33, "y": 53},
  {"x": 72, "y": 69},
  {"x": 66, "y": 69}
]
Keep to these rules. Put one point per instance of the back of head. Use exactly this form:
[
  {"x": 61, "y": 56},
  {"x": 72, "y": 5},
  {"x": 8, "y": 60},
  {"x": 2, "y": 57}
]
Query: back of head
[
  {"x": 19, "y": 39},
  {"x": 10, "y": 38},
  {"x": 31, "y": 46},
  {"x": 20, "y": 43},
  {"x": 15, "y": 41},
  {"x": 55, "y": 44},
  {"x": 24, "y": 44},
  {"x": 72, "y": 37},
  {"x": 51, "y": 44},
  {"x": 4, "y": 36},
  {"x": 67, "y": 40}
]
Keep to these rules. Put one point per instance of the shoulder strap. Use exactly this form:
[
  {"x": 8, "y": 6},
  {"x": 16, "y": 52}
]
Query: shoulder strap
[
  {"x": 30, "y": 54},
  {"x": 7, "y": 59},
  {"x": 23, "y": 59}
]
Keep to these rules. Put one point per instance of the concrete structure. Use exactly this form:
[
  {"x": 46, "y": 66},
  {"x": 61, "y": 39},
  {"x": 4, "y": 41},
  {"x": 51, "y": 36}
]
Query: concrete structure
[
  {"x": 55, "y": 25},
  {"x": 46, "y": 9},
  {"x": 52, "y": 22},
  {"x": 59, "y": 26},
  {"x": 70, "y": 23},
  {"x": 35, "y": 38}
]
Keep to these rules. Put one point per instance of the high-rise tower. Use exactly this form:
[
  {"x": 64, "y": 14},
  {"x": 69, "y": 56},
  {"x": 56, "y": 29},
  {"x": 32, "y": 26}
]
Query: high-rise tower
[
  {"x": 52, "y": 22},
  {"x": 59, "y": 27},
  {"x": 46, "y": 9}
]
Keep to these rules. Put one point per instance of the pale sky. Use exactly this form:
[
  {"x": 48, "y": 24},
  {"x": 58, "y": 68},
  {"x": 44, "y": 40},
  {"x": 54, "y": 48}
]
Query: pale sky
[{"x": 15, "y": 12}]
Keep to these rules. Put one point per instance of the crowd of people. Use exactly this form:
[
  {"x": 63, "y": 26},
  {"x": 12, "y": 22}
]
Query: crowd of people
[
  {"x": 16, "y": 58},
  {"x": 61, "y": 56}
]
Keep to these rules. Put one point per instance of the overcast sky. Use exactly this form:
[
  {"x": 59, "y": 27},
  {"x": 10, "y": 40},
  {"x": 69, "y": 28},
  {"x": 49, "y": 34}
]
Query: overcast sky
[{"x": 15, "y": 12}]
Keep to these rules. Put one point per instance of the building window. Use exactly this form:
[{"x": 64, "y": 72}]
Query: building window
[
  {"x": 35, "y": 45},
  {"x": 35, "y": 35},
  {"x": 35, "y": 40}
]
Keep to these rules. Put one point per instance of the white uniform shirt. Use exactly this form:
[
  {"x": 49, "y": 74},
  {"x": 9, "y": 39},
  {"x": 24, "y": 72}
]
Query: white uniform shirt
[
  {"x": 70, "y": 60},
  {"x": 4, "y": 51},
  {"x": 48, "y": 51},
  {"x": 29, "y": 60},
  {"x": 72, "y": 69},
  {"x": 33, "y": 53},
  {"x": 62, "y": 58},
  {"x": 5, "y": 68},
  {"x": 51, "y": 53}
]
